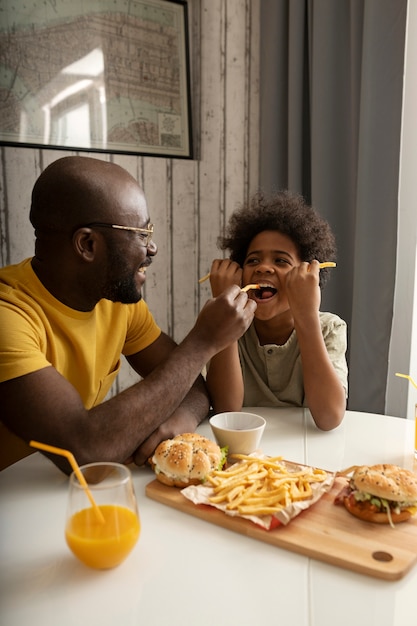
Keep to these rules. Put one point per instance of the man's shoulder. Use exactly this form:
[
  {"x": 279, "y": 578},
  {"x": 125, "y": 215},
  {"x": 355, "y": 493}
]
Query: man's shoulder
[
  {"x": 10, "y": 274},
  {"x": 15, "y": 279}
]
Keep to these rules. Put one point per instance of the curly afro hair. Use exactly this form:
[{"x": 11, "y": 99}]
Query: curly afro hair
[{"x": 287, "y": 213}]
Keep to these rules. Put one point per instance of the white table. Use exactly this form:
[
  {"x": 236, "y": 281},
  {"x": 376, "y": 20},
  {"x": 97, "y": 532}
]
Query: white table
[{"x": 187, "y": 572}]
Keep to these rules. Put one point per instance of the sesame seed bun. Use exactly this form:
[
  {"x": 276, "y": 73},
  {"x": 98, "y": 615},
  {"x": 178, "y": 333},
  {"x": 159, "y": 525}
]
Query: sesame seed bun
[
  {"x": 185, "y": 460},
  {"x": 387, "y": 481}
]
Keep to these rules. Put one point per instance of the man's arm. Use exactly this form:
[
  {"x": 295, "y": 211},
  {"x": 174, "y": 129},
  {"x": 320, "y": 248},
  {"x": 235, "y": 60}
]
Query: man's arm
[
  {"x": 44, "y": 406},
  {"x": 186, "y": 417}
]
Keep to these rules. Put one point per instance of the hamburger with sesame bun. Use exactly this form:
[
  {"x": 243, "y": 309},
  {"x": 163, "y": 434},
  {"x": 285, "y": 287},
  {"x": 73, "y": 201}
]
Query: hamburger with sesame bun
[
  {"x": 186, "y": 460},
  {"x": 383, "y": 494}
]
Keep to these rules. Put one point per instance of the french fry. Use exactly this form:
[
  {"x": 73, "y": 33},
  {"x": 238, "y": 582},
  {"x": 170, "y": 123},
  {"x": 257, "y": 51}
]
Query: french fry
[
  {"x": 300, "y": 492},
  {"x": 243, "y": 495},
  {"x": 251, "y": 286},
  {"x": 261, "y": 486},
  {"x": 204, "y": 278},
  {"x": 347, "y": 471},
  {"x": 247, "y": 510},
  {"x": 246, "y": 288}
]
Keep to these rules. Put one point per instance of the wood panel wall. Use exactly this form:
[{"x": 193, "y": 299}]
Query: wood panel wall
[{"x": 189, "y": 200}]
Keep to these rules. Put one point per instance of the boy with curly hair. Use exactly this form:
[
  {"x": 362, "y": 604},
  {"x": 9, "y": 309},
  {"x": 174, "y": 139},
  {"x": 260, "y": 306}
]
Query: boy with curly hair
[{"x": 292, "y": 354}]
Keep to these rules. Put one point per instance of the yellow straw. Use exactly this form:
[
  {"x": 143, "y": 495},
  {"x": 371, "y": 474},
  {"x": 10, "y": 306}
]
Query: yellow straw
[
  {"x": 321, "y": 266},
  {"x": 75, "y": 467},
  {"x": 408, "y": 377}
]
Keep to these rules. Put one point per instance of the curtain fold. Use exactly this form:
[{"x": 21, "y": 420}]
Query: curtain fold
[{"x": 331, "y": 98}]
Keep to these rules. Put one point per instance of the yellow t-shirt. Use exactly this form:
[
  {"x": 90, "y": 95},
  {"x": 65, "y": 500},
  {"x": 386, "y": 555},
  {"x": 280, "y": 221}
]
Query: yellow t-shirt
[{"x": 37, "y": 331}]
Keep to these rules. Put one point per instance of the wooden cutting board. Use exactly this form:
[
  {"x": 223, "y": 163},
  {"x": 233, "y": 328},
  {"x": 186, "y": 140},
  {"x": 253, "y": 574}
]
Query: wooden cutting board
[{"x": 325, "y": 532}]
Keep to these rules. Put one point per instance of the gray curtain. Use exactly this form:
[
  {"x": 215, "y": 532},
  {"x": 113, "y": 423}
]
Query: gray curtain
[{"x": 331, "y": 97}]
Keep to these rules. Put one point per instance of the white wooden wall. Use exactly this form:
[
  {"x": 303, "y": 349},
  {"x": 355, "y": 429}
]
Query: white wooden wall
[{"x": 189, "y": 200}]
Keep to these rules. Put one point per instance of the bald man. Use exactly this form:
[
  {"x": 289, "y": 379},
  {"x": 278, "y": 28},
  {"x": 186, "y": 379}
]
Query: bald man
[{"x": 70, "y": 312}]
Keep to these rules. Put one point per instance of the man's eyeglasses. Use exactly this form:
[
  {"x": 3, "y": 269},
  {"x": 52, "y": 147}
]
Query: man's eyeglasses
[{"x": 145, "y": 234}]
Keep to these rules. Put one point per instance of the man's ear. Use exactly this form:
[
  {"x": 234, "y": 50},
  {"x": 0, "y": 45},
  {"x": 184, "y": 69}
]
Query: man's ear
[{"x": 85, "y": 242}]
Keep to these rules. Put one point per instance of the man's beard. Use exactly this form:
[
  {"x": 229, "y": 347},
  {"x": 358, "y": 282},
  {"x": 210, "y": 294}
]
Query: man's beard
[
  {"x": 124, "y": 291},
  {"x": 120, "y": 284}
]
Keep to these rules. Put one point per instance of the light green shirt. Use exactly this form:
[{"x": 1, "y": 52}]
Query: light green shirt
[{"x": 273, "y": 375}]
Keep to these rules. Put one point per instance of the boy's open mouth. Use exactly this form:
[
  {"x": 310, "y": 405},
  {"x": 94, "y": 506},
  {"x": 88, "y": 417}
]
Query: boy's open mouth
[{"x": 264, "y": 292}]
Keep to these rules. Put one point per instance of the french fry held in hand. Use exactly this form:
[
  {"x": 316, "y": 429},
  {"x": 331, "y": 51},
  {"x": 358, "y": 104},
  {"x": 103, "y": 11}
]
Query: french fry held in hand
[
  {"x": 251, "y": 286},
  {"x": 261, "y": 486},
  {"x": 245, "y": 288}
]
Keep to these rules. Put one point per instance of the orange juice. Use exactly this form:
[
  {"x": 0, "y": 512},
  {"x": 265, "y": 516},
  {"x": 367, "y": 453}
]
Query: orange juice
[{"x": 101, "y": 545}]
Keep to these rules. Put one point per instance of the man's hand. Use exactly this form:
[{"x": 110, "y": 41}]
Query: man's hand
[
  {"x": 179, "y": 422},
  {"x": 224, "y": 319}
]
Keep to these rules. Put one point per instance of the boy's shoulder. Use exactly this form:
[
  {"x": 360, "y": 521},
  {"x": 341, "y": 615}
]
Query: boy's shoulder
[{"x": 330, "y": 320}]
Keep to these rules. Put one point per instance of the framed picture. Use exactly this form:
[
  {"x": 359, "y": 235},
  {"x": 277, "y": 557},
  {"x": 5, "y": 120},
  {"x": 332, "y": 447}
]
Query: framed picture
[{"x": 96, "y": 75}]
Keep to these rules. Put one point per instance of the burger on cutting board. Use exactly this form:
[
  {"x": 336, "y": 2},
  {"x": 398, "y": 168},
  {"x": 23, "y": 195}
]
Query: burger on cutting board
[
  {"x": 186, "y": 460},
  {"x": 383, "y": 494}
]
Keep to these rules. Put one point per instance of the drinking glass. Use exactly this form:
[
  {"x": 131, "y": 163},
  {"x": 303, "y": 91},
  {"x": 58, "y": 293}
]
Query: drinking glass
[
  {"x": 102, "y": 536},
  {"x": 415, "y": 432}
]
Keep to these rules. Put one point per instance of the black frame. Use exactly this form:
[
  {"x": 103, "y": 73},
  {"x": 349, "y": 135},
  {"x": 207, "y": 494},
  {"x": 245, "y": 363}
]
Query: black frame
[{"x": 41, "y": 107}]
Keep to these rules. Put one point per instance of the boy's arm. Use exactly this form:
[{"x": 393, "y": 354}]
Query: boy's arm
[
  {"x": 325, "y": 395},
  {"x": 224, "y": 380}
]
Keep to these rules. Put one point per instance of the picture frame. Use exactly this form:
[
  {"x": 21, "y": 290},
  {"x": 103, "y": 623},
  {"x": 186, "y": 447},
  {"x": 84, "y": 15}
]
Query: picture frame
[{"x": 98, "y": 76}]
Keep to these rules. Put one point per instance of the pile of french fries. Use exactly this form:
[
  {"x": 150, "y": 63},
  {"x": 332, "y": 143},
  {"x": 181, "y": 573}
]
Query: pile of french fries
[{"x": 255, "y": 486}]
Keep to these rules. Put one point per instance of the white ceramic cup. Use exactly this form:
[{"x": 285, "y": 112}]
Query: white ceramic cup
[{"x": 241, "y": 432}]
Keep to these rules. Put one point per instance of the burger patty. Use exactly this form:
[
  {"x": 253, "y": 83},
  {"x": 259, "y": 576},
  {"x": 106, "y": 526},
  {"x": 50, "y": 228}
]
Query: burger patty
[
  {"x": 372, "y": 504},
  {"x": 366, "y": 501}
]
